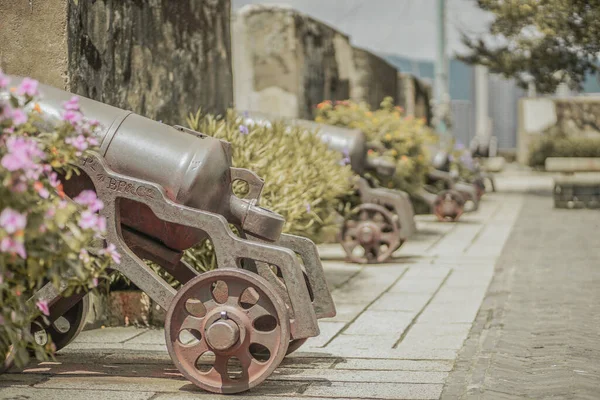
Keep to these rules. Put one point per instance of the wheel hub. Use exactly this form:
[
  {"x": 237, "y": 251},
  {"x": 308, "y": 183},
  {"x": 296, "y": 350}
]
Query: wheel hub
[
  {"x": 222, "y": 335},
  {"x": 368, "y": 233}
]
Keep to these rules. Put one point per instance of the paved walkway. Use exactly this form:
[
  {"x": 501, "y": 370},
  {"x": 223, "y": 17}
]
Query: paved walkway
[
  {"x": 537, "y": 335},
  {"x": 397, "y": 335}
]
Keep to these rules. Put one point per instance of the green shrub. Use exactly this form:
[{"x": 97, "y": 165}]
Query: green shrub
[
  {"x": 561, "y": 146},
  {"x": 305, "y": 181},
  {"x": 43, "y": 236},
  {"x": 403, "y": 138}
]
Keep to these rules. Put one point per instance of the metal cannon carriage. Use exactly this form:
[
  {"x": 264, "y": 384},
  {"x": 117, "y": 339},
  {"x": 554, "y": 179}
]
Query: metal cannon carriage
[
  {"x": 166, "y": 189},
  {"x": 384, "y": 218},
  {"x": 455, "y": 197}
]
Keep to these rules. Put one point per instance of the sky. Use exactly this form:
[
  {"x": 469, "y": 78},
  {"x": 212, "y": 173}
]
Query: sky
[{"x": 403, "y": 27}]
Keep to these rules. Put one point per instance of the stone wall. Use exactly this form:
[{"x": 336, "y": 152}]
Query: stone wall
[
  {"x": 571, "y": 116},
  {"x": 414, "y": 96},
  {"x": 373, "y": 78},
  {"x": 286, "y": 63},
  {"x": 161, "y": 59}
]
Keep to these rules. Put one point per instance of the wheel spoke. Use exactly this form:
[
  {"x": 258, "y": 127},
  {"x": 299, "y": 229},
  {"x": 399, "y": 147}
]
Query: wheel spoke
[
  {"x": 267, "y": 339},
  {"x": 190, "y": 354},
  {"x": 191, "y": 322},
  {"x": 257, "y": 311}
]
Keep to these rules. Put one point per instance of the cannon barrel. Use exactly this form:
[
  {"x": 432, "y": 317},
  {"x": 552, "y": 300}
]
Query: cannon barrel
[
  {"x": 350, "y": 142},
  {"x": 194, "y": 170}
]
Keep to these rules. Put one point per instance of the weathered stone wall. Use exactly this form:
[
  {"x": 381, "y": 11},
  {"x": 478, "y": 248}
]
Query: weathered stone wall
[
  {"x": 572, "y": 116},
  {"x": 285, "y": 62},
  {"x": 159, "y": 58},
  {"x": 373, "y": 78},
  {"x": 414, "y": 96},
  {"x": 33, "y": 40}
]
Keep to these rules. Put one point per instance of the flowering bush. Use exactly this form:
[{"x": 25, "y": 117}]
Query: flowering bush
[
  {"x": 44, "y": 237},
  {"x": 399, "y": 137},
  {"x": 305, "y": 181}
]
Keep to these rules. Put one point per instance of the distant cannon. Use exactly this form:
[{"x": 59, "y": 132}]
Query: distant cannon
[
  {"x": 384, "y": 218},
  {"x": 166, "y": 189}
]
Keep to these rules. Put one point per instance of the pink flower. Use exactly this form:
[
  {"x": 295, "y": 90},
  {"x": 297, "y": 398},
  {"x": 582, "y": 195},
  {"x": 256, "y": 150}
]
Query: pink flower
[
  {"x": 111, "y": 250},
  {"x": 28, "y": 87},
  {"x": 79, "y": 142},
  {"x": 72, "y": 117},
  {"x": 88, "y": 220},
  {"x": 89, "y": 198},
  {"x": 12, "y": 221},
  {"x": 43, "y": 307},
  {"x": 84, "y": 256},
  {"x": 95, "y": 282},
  {"x": 72, "y": 104},
  {"x": 22, "y": 154},
  {"x": 9, "y": 245},
  {"x": 18, "y": 117},
  {"x": 4, "y": 80},
  {"x": 50, "y": 212},
  {"x": 43, "y": 192},
  {"x": 53, "y": 180},
  {"x": 92, "y": 141},
  {"x": 101, "y": 224}
]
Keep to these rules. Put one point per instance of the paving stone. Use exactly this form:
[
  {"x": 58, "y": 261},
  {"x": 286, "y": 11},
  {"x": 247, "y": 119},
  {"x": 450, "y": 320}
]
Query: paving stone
[
  {"x": 17, "y": 379},
  {"x": 361, "y": 342},
  {"x": 369, "y": 284},
  {"x": 345, "y": 312},
  {"x": 14, "y": 393},
  {"x": 380, "y": 323},
  {"x": 109, "y": 335},
  {"x": 151, "y": 336},
  {"x": 338, "y": 375},
  {"x": 394, "y": 365},
  {"x": 409, "y": 302},
  {"x": 435, "y": 341},
  {"x": 328, "y": 331},
  {"x": 337, "y": 272},
  {"x": 122, "y": 383},
  {"x": 412, "y": 353},
  {"x": 416, "y": 285},
  {"x": 426, "y": 271},
  {"x": 349, "y": 390}
]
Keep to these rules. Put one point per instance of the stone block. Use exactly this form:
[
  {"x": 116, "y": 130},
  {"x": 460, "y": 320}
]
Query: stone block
[{"x": 151, "y": 58}]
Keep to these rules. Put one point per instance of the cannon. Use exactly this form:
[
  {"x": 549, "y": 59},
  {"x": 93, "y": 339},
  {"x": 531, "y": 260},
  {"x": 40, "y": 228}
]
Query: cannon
[
  {"x": 166, "y": 189},
  {"x": 455, "y": 197},
  {"x": 384, "y": 218}
]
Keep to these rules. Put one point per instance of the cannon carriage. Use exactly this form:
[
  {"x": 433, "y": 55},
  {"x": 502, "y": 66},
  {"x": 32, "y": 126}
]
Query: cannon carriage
[
  {"x": 448, "y": 197},
  {"x": 383, "y": 219},
  {"x": 166, "y": 189}
]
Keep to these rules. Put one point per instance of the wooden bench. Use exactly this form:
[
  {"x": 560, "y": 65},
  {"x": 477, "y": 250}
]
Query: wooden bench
[{"x": 575, "y": 191}]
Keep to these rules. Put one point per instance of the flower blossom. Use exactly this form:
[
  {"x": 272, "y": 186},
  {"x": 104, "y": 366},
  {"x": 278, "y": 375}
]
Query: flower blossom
[
  {"x": 72, "y": 104},
  {"x": 23, "y": 154},
  {"x": 28, "y": 87},
  {"x": 4, "y": 80},
  {"x": 244, "y": 129},
  {"x": 12, "y": 221},
  {"x": 10, "y": 245},
  {"x": 79, "y": 142},
  {"x": 111, "y": 250},
  {"x": 72, "y": 117},
  {"x": 42, "y": 305},
  {"x": 88, "y": 198},
  {"x": 18, "y": 117}
]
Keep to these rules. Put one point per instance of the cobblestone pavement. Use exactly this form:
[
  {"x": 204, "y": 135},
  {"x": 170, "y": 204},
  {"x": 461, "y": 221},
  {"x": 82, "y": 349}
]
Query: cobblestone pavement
[
  {"x": 397, "y": 333},
  {"x": 537, "y": 335}
]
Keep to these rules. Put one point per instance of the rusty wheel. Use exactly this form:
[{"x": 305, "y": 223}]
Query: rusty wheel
[
  {"x": 370, "y": 234},
  {"x": 449, "y": 205},
  {"x": 226, "y": 330}
]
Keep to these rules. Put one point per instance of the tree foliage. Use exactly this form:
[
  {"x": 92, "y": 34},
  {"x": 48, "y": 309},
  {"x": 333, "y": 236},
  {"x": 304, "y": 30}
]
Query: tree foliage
[{"x": 544, "y": 41}]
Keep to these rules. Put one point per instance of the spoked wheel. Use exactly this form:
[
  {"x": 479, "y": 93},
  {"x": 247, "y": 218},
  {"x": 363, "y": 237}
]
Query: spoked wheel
[
  {"x": 449, "y": 206},
  {"x": 65, "y": 328},
  {"x": 226, "y": 330},
  {"x": 370, "y": 234}
]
